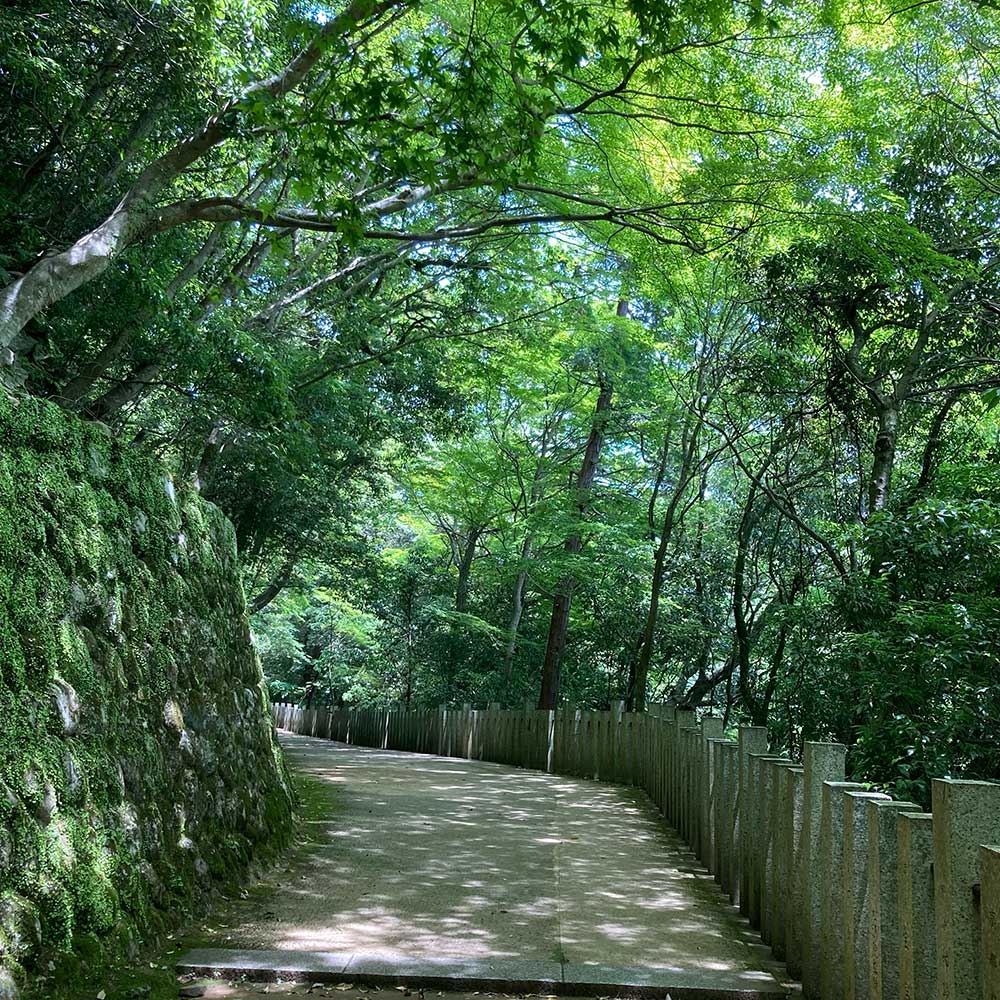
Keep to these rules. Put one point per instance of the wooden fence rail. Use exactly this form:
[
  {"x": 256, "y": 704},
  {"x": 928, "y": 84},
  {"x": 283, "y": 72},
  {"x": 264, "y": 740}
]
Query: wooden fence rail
[{"x": 863, "y": 897}]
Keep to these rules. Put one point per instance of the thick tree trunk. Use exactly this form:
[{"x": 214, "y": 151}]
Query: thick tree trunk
[
  {"x": 563, "y": 599},
  {"x": 555, "y": 644},
  {"x": 56, "y": 276}
]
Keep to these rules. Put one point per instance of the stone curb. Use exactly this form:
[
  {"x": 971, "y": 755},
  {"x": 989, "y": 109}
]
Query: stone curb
[{"x": 506, "y": 976}]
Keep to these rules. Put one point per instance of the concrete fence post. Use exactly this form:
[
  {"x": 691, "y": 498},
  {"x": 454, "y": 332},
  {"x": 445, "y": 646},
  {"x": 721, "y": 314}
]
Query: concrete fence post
[
  {"x": 683, "y": 719},
  {"x": 684, "y": 796},
  {"x": 915, "y": 887},
  {"x": 663, "y": 734},
  {"x": 966, "y": 816},
  {"x": 777, "y": 885},
  {"x": 720, "y": 805},
  {"x": 752, "y": 740},
  {"x": 711, "y": 729},
  {"x": 883, "y": 897},
  {"x": 855, "y": 914},
  {"x": 821, "y": 762},
  {"x": 787, "y": 944},
  {"x": 730, "y": 771},
  {"x": 831, "y": 870},
  {"x": 989, "y": 909},
  {"x": 761, "y": 828}
]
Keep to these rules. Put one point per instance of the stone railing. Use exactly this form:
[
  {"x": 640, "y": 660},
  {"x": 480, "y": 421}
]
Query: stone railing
[{"x": 863, "y": 897}]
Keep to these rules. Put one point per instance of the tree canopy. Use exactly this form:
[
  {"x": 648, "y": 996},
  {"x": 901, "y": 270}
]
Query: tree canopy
[{"x": 562, "y": 352}]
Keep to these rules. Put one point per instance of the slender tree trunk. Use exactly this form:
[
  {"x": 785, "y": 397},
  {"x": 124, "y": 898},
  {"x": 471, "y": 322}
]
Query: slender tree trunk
[
  {"x": 685, "y": 474},
  {"x": 277, "y": 584},
  {"x": 214, "y": 445},
  {"x": 137, "y": 135},
  {"x": 741, "y": 626},
  {"x": 408, "y": 692},
  {"x": 80, "y": 385},
  {"x": 932, "y": 449},
  {"x": 563, "y": 599},
  {"x": 881, "y": 478},
  {"x": 465, "y": 568},
  {"x": 127, "y": 391},
  {"x": 884, "y": 457},
  {"x": 84, "y": 105},
  {"x": 516, "y": 609}
]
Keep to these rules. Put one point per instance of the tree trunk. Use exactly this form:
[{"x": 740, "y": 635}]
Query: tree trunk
[
  {"x": 84, "y": 105},
  {"x": 214, "y": 445},
  {"x": 685, "y": 474},
  {"x": 741, "y": 627},
  {"x": 884, "y": 457},
  {"x": 516, "y": 609},
  {"x": 549, "y": 695},
  {"x": 277, "y": 584},
  {"x": 465, "y": 569},
  {"x": 128, "y": 390},
  {"x": 56, "y": 275},
  {"x": 80, "y": 385}
]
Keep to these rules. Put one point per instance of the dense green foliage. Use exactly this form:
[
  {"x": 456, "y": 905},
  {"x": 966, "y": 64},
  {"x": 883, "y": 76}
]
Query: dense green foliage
[{"x": 677, "y": 320}]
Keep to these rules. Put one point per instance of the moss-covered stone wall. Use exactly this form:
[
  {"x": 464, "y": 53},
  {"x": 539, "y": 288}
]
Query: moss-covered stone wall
[{"x": 137, "y": 760}]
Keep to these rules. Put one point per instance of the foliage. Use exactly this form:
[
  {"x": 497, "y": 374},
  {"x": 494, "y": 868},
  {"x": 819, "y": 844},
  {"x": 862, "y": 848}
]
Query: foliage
[{"x": 361, "y": 274}]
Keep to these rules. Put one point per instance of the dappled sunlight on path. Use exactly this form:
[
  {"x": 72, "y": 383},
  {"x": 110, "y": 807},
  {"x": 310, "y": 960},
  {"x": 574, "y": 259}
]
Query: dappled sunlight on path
[{"x": 431, "y": 857}]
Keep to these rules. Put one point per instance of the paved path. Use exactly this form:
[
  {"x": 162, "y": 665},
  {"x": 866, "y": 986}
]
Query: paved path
[{"x": 434, "y": 860}]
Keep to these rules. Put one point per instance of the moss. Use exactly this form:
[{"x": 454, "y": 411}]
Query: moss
[{"x": 119, "y": 595}]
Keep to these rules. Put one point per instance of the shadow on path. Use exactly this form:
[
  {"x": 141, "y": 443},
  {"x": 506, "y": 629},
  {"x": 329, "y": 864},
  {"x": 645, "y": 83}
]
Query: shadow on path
[{"x": 428, "y": 859}]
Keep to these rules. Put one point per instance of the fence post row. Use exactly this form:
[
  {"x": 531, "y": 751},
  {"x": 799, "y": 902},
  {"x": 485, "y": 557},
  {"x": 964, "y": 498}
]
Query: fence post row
[{"x": 862, "y": 897}]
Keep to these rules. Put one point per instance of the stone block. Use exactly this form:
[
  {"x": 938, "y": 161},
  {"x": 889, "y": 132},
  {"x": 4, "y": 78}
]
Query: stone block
[
  {"x": 763, "y": 822},
  {"x": 915, "y": 886},
  {"x": 831, "y": 887},
  {"x": 730, "y": 769},
  {"x": 752, "y": 739},
  {"x": 790, "y": 869},
  {"x": 856, "y": 926},
  {"x": 780, "y": 884}
]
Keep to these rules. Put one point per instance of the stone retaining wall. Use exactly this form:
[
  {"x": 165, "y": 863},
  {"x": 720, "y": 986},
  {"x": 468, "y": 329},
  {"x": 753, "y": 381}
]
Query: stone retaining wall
[{"x": 137, "y": 759}]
